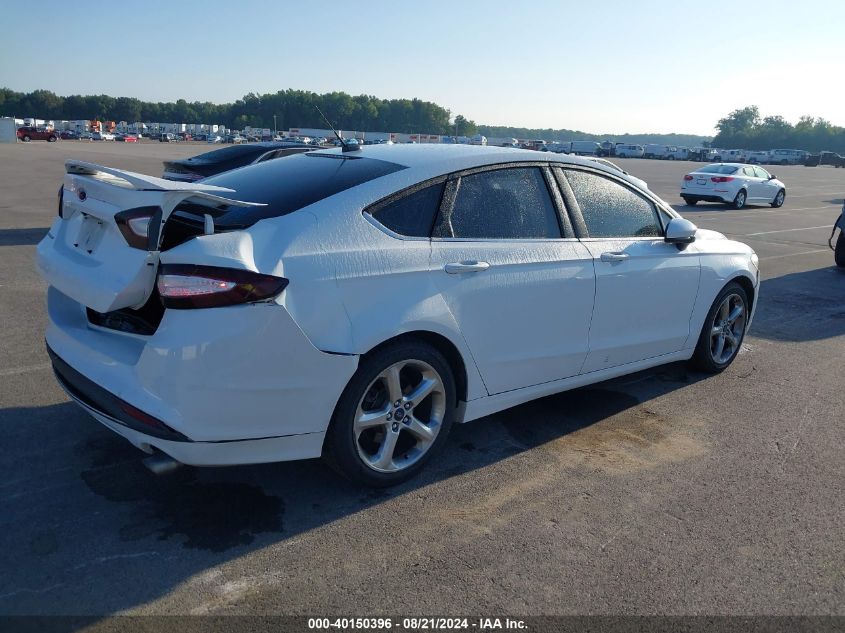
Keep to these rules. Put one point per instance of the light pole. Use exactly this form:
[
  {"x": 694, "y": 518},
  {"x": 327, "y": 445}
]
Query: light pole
[{"x": 275, "y": 131}]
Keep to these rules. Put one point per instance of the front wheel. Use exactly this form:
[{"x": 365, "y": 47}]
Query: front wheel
[
  {"x": 723, "y": 330},
  {"x": 839, "y": 253},
  {"x": 740, "y": 199},
  {"x": 51, "y": 139},
  {"x": 26, "y": 138},
  {"x": 393, "y": 416},
  {"x": 779, "y": 199}
]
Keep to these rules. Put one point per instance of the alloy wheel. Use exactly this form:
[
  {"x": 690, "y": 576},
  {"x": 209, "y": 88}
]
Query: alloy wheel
[
  {"x": 400, "y": 415},
  {"x": 727, "y": 329}
]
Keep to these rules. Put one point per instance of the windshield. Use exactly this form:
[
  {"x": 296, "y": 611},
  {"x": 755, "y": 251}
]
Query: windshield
[{"x": 717, "y": 169}]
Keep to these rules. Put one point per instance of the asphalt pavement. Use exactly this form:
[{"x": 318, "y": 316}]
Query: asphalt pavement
[{"x": 665, "y": 492}]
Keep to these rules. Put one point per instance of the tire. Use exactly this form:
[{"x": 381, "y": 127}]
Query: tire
[
  {"x": 26, "y": 138},
  {"x": 779, "y": 199},
  {"x": 671, "y": 157},
  {"x": 51, "y": 139},
  {"x": 709, "y": 355},
  {"x": 740, "y": 200},
  {"x": 690, "y": 201},
  {"x": 839, "y": 252},
  {"x": 360, "y": 453},
  {"x": 784, "y": 162}
]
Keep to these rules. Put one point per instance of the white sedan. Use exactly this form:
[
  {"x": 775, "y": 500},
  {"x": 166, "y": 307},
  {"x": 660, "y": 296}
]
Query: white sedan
[
  {"x": 736, "y": 184},
  {"x": 357, "y": 303}
]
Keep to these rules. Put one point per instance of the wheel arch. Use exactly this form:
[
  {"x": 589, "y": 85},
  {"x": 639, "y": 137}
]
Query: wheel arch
[
  {"x": 443, "y": 345},
  {"x": 747, "y": 284}
]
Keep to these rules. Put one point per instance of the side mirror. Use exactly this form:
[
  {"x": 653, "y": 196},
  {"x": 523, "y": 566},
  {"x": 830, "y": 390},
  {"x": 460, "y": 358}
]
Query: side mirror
[
  {"x": 680, "y": 232},
  {"x": 771, "y": 176}
]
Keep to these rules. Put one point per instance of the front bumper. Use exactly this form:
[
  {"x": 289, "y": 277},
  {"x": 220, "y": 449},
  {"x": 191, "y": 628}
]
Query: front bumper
[{"x": 231, "y": 385}]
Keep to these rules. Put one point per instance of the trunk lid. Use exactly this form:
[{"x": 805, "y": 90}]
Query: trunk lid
[{"x": 86, "y": 256}]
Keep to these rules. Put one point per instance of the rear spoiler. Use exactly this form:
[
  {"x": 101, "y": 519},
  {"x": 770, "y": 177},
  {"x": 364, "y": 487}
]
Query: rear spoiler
[{"x": 143, "y": 182}]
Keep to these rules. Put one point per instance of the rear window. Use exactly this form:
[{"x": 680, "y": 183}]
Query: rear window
[
  {"x": 285, "y": 186},
  {"x": 717, "y": 169}
]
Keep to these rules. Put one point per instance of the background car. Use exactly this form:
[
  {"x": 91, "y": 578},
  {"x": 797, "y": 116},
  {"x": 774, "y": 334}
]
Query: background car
[
  {"x": 787, "y": 156},
  {"x": 824, "y": 158},
  {"x": 27, "y": 134},
  {"x": 126, "y": 138},
  {"x": 733, "y": 183},
  {"x": 167, "y": 137},
  {"x": 102, "y": 136},
  {"x": 69, "y": 135},
  {"x": 626, "y": 150},
  {"x": 759, "y": 157},
  {"x": 220, "y": 160},
  {"x": 260, "y": 340}
]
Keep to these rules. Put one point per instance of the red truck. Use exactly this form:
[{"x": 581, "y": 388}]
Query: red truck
[{"x": 27, "y": 134}]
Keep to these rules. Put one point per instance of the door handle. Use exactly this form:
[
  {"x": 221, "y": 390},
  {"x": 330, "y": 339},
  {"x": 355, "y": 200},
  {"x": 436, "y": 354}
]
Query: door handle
[
  {"x": 614, "y": 257},
  {"x": 457, "y": 268}
]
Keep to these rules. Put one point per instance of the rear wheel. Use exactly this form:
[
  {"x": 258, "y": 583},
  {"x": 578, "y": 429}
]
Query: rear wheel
[
  {"x": 26, "y": 138},
  {"x": 779, "y": 199},
  {"x": 740, "y": 200},
  {"x": 723, "y": 330},
  {"x": 51, "y": 139},
  {"x": 839, "y": 253},
  {"x": 784, "y": 162},
  {"x": 690, "y": 201},
  {"x": 393, "y": 416}
]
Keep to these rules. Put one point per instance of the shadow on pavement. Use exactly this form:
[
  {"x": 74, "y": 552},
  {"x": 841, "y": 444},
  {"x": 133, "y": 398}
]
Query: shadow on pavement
[
  {"x": 86, "y": 529},
  {"x": 22, "y": 237},
  {"x": 804, "y": 306}
]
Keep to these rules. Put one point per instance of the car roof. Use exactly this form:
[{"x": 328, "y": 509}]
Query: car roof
[{"x": 454, "y": 157}]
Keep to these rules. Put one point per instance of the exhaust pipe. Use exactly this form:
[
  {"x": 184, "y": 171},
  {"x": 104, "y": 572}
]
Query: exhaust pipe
[{"x": 161, "y": 464}]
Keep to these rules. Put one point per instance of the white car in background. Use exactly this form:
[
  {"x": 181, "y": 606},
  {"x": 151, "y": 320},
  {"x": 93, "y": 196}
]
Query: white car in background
[
  {"x": 759, "y": 157},
  {"x": 357, "y": 303},
  {"x": 788, "y": 156},
  {"x": 735, "y": 184},
  {"x": 624, "y": 150}
]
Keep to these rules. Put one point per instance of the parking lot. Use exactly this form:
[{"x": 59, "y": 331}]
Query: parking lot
[{"x": 668, "y": 491}]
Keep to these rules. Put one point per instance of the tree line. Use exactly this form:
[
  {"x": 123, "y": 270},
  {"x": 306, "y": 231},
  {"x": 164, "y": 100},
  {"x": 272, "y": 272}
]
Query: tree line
[
  {"x": 746, "y": 129},
  {"x": 291, "y": 108},
  {"x": 743, "y": 128},
  {"x": 295, "y": 108}
]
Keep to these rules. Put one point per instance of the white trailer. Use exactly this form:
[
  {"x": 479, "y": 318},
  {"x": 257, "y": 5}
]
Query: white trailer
[{"x": 8, "y": 130}]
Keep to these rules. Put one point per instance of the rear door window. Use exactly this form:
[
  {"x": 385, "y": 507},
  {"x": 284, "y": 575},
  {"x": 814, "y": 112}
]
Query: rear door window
[
  {"x": 611, "y": 209},
  {"x": 512, "y": 203}
]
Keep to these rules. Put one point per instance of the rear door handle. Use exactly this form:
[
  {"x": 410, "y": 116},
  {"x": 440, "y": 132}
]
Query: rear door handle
[
  {"x": 458, "y": 268},
  {"x": 614, "y": 257}
]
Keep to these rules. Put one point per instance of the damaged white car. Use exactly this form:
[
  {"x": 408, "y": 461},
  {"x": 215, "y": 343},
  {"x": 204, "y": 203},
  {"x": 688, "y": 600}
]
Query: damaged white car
[{"x": 355, "y": 303}]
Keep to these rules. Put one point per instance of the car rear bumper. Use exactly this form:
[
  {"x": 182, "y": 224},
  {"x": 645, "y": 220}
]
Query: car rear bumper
[
  {"x": 707, "y": 195},
  {"x": 227, "y": 385}
]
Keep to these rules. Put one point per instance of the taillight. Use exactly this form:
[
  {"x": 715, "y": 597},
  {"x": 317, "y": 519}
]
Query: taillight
[
  {"x": 183, "y": 286},
  {"x": 687, "y": 177},
  {"x": 721, "y": 178},
  {"x": 134, "y": 225},
  {"x": 61, "y": 195}
]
